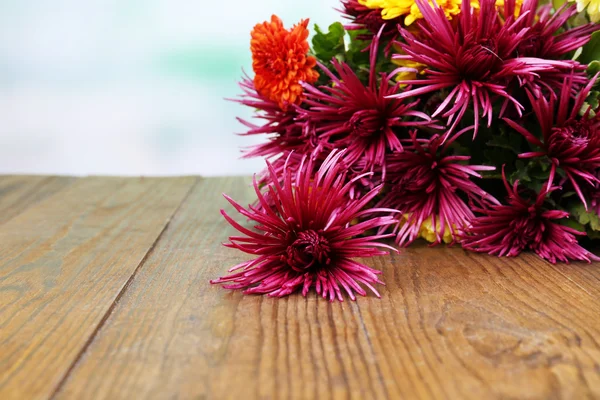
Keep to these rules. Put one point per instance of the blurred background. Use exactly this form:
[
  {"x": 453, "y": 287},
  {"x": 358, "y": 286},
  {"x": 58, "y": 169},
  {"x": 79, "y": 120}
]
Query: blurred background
[{"x": 130, "y": 87}]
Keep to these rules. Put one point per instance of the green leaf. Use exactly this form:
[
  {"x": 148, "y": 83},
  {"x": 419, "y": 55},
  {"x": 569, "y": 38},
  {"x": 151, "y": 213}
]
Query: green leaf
[
  {"x": 521, "y": 173},
  {"x": 356, "y": 54},
  {"x": 591, "y": 51},
  {"x": 593, "y": 68},
  {"x": 566, "y": 195},
  {"x": 593, "y": 101},
  {"x": 508, "y": 140},
  {"x": 571, "y": 223},
  {"x": 330, "y": 44},
  {"x": 584, "y": 217},
  {"x": 578, "y": 20},
  {"x": 594, "y": 235},
  {"x": 498, "y": 157}
]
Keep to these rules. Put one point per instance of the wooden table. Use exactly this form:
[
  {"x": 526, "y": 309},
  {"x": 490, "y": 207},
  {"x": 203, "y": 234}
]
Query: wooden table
[{"x": 104, "y": 294}]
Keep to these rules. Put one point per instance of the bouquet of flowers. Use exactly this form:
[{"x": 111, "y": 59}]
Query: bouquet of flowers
[{"x": 468, "y": 123}]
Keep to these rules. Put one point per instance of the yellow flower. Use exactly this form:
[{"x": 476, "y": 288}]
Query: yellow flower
[
  {"x": 390, "y": 9},
  {"x": 593, "y": 8},
  {"x": 450, "y": 7},
  {"x": 500, "y": 4},
  {"x": 407, "y": 75},
  {"x": 428, "y": 233},
  {"x": 518, "y": 4}
]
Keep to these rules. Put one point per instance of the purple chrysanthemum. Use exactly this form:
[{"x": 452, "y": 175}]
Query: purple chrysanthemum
[
  {"x": 426, "y": 184},
  {"x": 507, "y": 230},
  {"x": 544, "y": 39},
  {"x": 287, "y": 133},
  {"x": 570, "y": 141},
  {"x": 473, "y": 57},
  {"x": 361, "y": 118},
  {"x": 306, "y": 236}
]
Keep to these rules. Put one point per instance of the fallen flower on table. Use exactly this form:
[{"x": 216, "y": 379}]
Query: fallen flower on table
[{"x": 305, "y": 237}]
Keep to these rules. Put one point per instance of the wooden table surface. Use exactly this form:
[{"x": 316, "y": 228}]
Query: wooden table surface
[{"x": 104, "y": 294}]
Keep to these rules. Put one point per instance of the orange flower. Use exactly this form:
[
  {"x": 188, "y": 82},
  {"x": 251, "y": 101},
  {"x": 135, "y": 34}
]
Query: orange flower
[{"x": 280, "y": 61}]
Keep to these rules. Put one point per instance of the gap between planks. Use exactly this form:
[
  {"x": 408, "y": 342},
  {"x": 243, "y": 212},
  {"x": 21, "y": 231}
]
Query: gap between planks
[{"x": 121, "y": 293}]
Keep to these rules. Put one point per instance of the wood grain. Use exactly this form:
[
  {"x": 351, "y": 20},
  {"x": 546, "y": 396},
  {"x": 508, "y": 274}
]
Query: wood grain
[
  {"x": 171, "y": 326},
  {"x": 450, "y": 325},
  {"x": 18, "y": 192},
  {"x": 63, "y": 263}
]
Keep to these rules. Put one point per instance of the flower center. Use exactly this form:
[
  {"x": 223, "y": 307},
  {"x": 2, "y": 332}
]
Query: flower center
[
  {"x": 277, "y": 65},
  {"x": 573, "y": 137},
  {"x": 480, "y": 60},
  {"x": 372, "y": 21},
  {"x": 526, "y": 229},
  {"x": 531, "y": 46},
  {"x": 366, "y": 123},
  {"x": 308, "y": 249}
]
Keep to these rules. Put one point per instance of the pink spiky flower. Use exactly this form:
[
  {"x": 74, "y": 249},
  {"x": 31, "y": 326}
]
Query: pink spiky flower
[
  {"x": 570, "y": 141},
  {"x": 507, "y": 230},
  {"x": 544, "y": 39},
  {"x": 361, "y": 118},
  {"x": 473, "y": 57},
  {"x": 285, "y": 132},
  {"x": 305, "y": 236},
  {"x": 426, "y": 184}
]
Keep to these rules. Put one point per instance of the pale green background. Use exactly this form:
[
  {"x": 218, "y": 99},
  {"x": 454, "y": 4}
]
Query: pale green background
[{"x": 129, "y": 87}]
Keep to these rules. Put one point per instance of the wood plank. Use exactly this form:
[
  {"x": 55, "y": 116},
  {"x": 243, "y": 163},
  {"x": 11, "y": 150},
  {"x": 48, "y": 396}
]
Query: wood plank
[
  {"x": 586, "y": 276},
  {"x": 166, "y": 332},
  {"x": 465, "y": 325},
  {"x": 450, "y": 325},
  {"x": 63, "y": 263},
  {"x": 18, "y": 192}
]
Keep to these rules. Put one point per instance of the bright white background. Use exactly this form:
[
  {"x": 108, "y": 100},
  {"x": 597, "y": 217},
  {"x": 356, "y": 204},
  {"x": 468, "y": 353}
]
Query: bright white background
[{"x": 130, "y": 87}]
